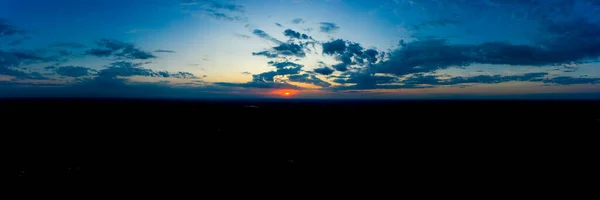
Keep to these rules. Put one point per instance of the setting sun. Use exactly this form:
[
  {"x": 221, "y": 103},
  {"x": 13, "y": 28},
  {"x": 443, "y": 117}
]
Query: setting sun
[{"x": 287, "y": 94}]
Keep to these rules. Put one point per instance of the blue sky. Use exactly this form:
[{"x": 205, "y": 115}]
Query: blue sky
[{"x": 308, "y": 48}]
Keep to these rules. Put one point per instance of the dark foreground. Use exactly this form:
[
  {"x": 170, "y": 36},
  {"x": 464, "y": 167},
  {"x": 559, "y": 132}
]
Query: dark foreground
[{"x": 143, "y": 141}]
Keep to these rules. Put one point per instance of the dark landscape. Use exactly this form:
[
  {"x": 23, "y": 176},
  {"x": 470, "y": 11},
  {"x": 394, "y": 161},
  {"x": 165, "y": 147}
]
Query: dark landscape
[{"x": 117, "y": 139}]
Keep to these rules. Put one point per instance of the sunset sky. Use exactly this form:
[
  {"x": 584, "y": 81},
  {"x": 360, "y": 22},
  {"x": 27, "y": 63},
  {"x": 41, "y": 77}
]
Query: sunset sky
[{"x": 327, "y": 49}]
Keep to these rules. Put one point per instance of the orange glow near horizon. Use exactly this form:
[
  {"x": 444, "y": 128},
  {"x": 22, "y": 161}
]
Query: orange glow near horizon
[{"x": 286, "y": 93}]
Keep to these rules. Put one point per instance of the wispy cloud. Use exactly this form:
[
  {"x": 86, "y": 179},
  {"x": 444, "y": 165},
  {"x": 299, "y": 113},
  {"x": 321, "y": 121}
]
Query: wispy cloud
[{"x": 164, "y": 51}]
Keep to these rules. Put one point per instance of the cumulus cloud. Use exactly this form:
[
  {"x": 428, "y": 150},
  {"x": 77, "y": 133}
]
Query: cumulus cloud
[
  {"x": 349, "y": 53},
  {"x": 296, "y": 35},
  {"x": 328, "y": 27},
  {"x": 119, "y": 50},
  {"x": 290, "y": 49}
]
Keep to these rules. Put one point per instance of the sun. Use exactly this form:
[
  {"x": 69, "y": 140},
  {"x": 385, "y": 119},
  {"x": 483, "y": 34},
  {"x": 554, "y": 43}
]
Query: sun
[{"x": 284, "y": 93}]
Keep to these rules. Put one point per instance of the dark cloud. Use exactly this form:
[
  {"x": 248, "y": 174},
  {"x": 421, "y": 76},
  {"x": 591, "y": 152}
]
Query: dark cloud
[
  {"x": 246, "y": 73},
  {"x": 265, "y": 53},
  {"x": 324, "y": 71},
  {"x": 278, "y": 24},
  {"x": 420, "y": 79},
  {"x": 298, "y": 21},
  {"x": 254, "y": 84},
  {"x": 164, "y": 51},
  {"x": 334, "y": 47},
  {"x": 181, "y": 75},
  {"x": 11, "y": 61},
  {"x": 264, "y": 35},
  {"x": 127, "y": 69},
  {"x": 360, "y": 81},
  {"x": 560, "y": 43},
  {"x": 73, "y": 71},
  {"x": 293, "y": 34},
  {"x": 349, "y": 53},
  {"x": 19, "y": 58},
  {"x": 565, "y": 80},
  {"x": 290, "y": 49},
  {"x": 265, "y": 76},
  {"x": 9, "y": 30},
  {"x": 286, "y": 68},
  {"x": 69, "y": 45},
  {"x": 328, "y": 27},
  {"x": 367, "y": 81},
  {"x": 310, "y": 79},
  {"x": 119, "y": 50}
]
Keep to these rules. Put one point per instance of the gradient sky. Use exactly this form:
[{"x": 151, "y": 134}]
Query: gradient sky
[{"x": 309, "y": 48}]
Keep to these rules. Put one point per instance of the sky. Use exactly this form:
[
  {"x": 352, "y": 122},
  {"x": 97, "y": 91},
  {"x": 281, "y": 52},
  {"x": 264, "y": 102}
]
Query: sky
[{"x": 300, "y": 49}]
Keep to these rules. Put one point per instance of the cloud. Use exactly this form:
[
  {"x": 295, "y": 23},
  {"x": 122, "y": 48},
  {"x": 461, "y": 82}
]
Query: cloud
[
  {"x": 9, "y": 30},
  {"x": 324, "y": 71},
  {"x": 285, "y": 68},
  {"x": 214, "y": 5},
  {"x": 290, "y": 49},
  {"x": 420, "y": 79},
  {"x": 565, "y": 80},
  {"x": 570, "y": 43},
  {"x": 50, "y": 68},
  {"x": 119, "y": 50},
  {"x": 334, "y": 47},
  {"x": 279, "y": 25},
  {"x": 349, "y": 53},
  {"x": 19, "y": 58},
  {"x": 73, "y": 71},
  {"x": 310, "y": 79},
  {"x": 68, "y": 45},
  {"x": 264, "y": 35},
  {"x": 265, "y": 53},
  {"x": 164, "y": 51},
  {"x": 298, "y": 21},
  {"x": 242, "y": 36},
  {"x": 328, "y": 27},
  {"x": 246, "y": 73},
  {"x": 181, "y": 75},
  {"x": 255, "y": 84},
  {"x": 293, "y": 34},
  {"x": 222, "y": 16}
]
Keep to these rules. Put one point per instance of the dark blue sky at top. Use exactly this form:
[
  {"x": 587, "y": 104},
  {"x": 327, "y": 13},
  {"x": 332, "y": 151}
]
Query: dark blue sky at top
[{"x": 311, "y": 48}]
